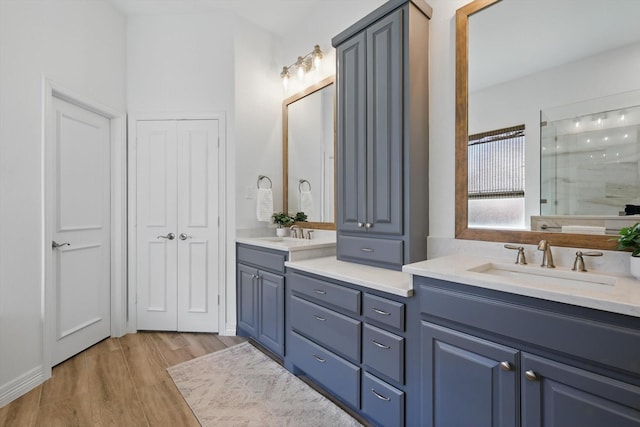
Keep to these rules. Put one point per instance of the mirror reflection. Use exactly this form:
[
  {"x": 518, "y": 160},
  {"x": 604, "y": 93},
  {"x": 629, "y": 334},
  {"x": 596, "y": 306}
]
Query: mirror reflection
[
  {"x": 531, "y": 56},
  {"x": 589, "y": 160},
  {"x": 309, "y": 154}
]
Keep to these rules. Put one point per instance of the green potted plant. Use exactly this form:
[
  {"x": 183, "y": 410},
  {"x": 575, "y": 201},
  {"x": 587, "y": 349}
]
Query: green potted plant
[
  {"x": 300, "y": 217},
  {"x": 629, "y": 238},
  {"x": 281, "y": 220}
]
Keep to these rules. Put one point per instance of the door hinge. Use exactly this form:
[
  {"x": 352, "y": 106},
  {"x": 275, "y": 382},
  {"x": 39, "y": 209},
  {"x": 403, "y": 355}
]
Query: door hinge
[
  {"x": 218, "y": 222},
  {"x": 218, "y": 142},
  {"x": 218, "y": 300}
]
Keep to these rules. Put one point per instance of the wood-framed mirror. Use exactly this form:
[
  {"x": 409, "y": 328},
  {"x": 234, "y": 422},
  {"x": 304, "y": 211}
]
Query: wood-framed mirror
[
  {"x": 308, "y": 154},
  {"x": 462, "y": 128}
]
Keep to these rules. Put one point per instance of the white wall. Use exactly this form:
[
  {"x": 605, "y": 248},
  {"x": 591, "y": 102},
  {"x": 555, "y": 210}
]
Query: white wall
[
  {"x": 258, "y": 101},
  {"x": 81, "y": 47}
]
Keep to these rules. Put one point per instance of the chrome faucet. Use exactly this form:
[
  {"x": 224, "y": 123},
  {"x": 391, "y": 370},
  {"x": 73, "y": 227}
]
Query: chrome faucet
[
  {"x": 294, "y": 231},
  {"x": 547, "y": 257}
]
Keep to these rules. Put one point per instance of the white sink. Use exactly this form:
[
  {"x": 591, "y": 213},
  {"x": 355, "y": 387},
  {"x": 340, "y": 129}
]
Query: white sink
[{"x": 551, "y": 277}]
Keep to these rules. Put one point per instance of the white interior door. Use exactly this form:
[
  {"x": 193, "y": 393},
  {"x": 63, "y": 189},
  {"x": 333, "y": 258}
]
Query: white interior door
[
  {"x": 157, "y": 191},
  {"x": 81, "y": 229},
  {"x": 198, "y": 261},
  {"x": 177, "y": 237}
]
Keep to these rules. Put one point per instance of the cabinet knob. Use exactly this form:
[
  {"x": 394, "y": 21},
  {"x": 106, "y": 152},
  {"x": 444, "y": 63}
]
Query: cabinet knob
[
  {"x": 360, "y": 224},
  {"x": 368, "y": 225},
  {"x": 531, "y": 376},
  {"x": 506, "y": 366}
]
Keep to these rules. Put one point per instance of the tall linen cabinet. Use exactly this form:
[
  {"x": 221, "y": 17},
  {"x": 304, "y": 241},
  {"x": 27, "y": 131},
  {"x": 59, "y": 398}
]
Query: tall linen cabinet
[{"x": 382, "y": 136}]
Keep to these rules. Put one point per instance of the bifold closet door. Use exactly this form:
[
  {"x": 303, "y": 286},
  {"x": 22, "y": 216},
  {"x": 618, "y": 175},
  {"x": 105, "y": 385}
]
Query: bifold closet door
[{"x": 177, "y": 225}]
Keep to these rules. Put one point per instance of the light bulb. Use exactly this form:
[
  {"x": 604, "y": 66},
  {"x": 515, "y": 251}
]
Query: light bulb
[{"x": 317, "y": 57}]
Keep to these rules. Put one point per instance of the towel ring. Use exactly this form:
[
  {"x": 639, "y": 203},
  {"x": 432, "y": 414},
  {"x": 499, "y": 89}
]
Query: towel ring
[
  {"x": 303, "y": 181},
  {"x": 261, "y": 177}
]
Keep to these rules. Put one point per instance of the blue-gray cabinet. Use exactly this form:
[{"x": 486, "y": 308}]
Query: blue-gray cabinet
[
  {"x": 382, "y": 136},
  {"x": 356, "y": 351},
  {"x": 260, "y": 296},
  {"x": 513, "y": 360},
  {"x": 467, "y": 381},
  {"x": 556, "y": 394}
]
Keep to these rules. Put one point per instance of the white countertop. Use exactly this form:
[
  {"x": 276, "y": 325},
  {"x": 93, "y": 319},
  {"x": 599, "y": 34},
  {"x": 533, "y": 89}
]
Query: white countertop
[
  {"x": 390, "y": 281},
  {"x": 298, "y": 248},
  {"x": 616, "y": 293}
]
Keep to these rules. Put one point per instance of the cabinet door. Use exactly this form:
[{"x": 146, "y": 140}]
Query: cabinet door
[
  {"x": 351, "y": 119},
  {"x": 384, "y": 125},
  {"x": 467, "y": 381},
  {"x": 557, "y": 395},
  {"x": 271, "y": 312},
  {"x": 248, "y": 299}
]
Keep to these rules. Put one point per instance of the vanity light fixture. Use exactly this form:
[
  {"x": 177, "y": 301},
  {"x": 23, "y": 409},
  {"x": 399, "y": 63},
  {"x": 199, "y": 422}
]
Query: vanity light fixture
[{"x": 303, "y": 65}]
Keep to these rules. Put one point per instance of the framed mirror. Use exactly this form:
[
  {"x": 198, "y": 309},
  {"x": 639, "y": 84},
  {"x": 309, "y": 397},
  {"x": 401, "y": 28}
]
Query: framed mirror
[
  {"x": 520, "y": 38},
  {"x": 308, "y": 147}
]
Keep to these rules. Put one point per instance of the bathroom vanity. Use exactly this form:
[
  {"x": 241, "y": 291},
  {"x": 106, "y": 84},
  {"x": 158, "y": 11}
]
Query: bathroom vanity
[
  {"x": 456, "y": 340},
  {"x": 529, "y": 348},
  {"x": 260, "y": 284}
]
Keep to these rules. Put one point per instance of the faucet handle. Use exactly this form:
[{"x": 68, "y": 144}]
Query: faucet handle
[
  {"x": 520, "y": 259},
  {"x": 309, "y": 234},
  {"x": 578, "y": 264}
]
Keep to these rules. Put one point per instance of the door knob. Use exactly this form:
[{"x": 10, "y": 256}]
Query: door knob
[
  {"x": 184, "y": 236},
  {"x": 169, "y": 236},
  {"x": 55, "y": 244}
]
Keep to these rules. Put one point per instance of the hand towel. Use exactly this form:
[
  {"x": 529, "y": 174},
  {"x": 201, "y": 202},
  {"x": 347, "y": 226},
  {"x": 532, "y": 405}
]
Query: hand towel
[
  {"x": 583, "y": 229},
  {"x": 264, "y": 204},
  {"x": 306, "y": 202}
]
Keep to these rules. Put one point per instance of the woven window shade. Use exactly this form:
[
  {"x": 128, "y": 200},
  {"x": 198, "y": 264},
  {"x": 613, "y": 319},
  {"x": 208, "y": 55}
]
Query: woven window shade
[{"x": 496, "y": 164}]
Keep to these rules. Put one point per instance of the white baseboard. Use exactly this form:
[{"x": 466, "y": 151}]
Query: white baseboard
[
  {"x": 229, "y": 331},
  {"x": 21, "y": 385}
]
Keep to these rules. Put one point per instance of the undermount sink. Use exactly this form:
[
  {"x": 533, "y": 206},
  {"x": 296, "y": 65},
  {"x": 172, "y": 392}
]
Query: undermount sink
[{"x": 537, "y": 276}]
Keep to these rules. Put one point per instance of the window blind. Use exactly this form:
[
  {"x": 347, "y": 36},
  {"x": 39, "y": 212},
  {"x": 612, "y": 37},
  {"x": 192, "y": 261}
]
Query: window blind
[{"x": 496, "y": 163}]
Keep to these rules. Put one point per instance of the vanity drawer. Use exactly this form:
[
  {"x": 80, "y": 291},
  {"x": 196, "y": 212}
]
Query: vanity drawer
[
  {"x": 336, "y": 374},
  {"x": 382, "y": 402},
  {"x": 371, "y": 249},
  {"x": 325, "y": 292},
  {"x": 268, "y": 260},
  {"x": 384, "y": 352},
  {"x": 385, "y": 311},
  {"x": 338, "y": 332}
]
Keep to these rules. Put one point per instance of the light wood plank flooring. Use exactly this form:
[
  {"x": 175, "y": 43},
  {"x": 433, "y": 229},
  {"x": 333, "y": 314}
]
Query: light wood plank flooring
[{"x": 118, "y": 382}]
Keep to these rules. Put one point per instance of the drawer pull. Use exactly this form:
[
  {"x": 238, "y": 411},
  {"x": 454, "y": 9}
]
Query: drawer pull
[
  {"x": 382, "y": 312},
  {"x": 318, "y": 291},
  {"x": 379, "y": 396},
  {"x": 319, "y": 359},
  {"x": 377, "y": 344},
  {"x": 322, "y": 319},
  {"x": 366, "y": 249}
]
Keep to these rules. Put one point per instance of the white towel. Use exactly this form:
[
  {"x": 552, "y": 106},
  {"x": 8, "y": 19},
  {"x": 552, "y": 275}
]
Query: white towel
[
  {"x": 264, "y": 204},
  {"x": 583, "y": 229},
  {"x": 306, "y": 202}
]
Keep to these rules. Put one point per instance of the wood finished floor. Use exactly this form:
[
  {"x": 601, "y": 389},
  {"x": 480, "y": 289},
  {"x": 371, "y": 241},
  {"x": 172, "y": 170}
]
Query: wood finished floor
[{"x": 118, "y": 382}]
